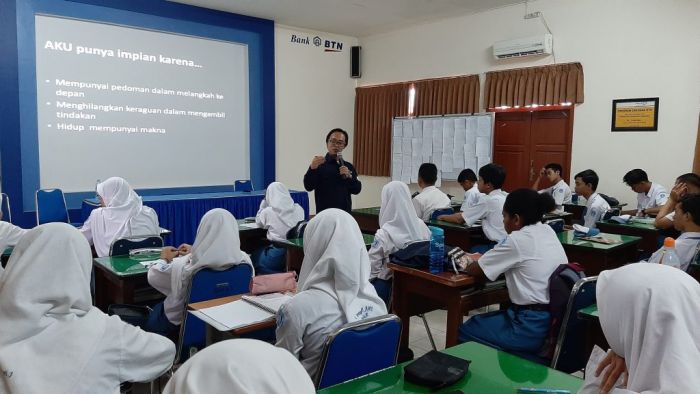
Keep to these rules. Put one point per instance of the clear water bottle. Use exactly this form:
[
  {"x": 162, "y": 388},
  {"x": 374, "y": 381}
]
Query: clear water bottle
[
  {"x": 437, "y": 249},
  {"x": 668, "y": 255},
  {"x": 97, "y": 196}
]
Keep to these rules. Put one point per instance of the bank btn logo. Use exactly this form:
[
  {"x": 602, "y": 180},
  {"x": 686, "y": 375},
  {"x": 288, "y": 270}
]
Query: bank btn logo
[{"x": 327, "y": 45}]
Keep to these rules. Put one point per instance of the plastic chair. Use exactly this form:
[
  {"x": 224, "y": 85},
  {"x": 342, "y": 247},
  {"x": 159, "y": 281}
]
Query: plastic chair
[
  {"x": 6, "y": 212},
  {"x": 208, "y": 284},
  {"x": 51, "y": 206},
  {"x": 570, "y": 353},
  {"x": 440, "y": 212},
  {"x": 123, "y": 246},
  {"x": 358, "y": 349},
  {"x": 243, "y": 185}
]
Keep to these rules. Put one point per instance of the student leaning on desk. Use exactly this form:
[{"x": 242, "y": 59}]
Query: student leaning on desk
[
  {"x": 651, "y": 196},
  {"x": 685, "y": 184}
]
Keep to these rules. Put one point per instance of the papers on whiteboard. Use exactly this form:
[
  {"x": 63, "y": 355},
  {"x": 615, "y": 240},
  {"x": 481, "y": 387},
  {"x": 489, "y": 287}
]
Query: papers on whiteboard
[{"x": 452, "y": 143}]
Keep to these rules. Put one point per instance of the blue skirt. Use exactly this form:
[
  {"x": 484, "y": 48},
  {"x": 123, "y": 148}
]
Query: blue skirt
[
  {"x": 521, "y": 330},
  {"x": 269, "y": 260}
]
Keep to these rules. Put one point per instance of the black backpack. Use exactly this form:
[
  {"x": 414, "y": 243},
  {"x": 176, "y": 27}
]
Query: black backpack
[
  {"x": 612, "y": 201},
  {"x": 415, "y": 255},
  {"x": 298, "y": 230}
]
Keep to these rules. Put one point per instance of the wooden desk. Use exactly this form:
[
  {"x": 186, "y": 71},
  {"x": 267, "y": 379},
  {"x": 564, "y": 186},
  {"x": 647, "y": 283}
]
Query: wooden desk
[
  {"x": 594, "y": 333},
  {"x": 568, "y": 217},
  {"x": 646, "y": 231},
  {"x": 295, "y": 251},
  {"x": 419, "y": 291},
  {"x": 214, "y": 335},
  {"x": 367, "y": 219},
  {"x": 491, "y": 371},
  {"x": 461, "y": 235},
  {"x": 596, "y": 257}
]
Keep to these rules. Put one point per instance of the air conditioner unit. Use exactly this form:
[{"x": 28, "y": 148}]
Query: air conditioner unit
[{"x": 536, "y": 45}]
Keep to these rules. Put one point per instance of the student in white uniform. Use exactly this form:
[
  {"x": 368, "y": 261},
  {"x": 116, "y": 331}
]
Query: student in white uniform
[
  {"x": 53, "y": 340},
  {"x": 488, "y": 209},
  {"x": 596, "y": 206},
  {"x": 685, "y": 184},
  {"x": 278, "y": 214},
  {"x": 9, "y": 236},
  {"x": 398, "y": 227},
  {"x": 687, "y": 221},
  {"x": 560, "y": 190},
  {"x": 527, "y": 257},
  {"x": 649, "y": 315},
  {"x": 122, "y": 214},
  {"x": 241, "y": 366},
  {"x": 650, "y": 196},
  {"x": 467, "y": 179},
  {"x": 334, "y": 288},
  {"x": 430, "y": 198},
  {"x": 216, "y": 246}
]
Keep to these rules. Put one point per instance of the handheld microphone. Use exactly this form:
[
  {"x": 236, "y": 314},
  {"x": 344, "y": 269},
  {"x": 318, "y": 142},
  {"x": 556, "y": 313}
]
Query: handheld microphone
[{"x": 341, "y": 162}]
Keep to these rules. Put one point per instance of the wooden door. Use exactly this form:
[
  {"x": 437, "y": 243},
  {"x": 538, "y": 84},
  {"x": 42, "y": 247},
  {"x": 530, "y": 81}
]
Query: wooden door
[{"x": 526, "y": 141}]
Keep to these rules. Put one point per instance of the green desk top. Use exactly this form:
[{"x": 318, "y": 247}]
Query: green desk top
[
  {"x": 491, "y": 371},
  {"x": 7, "y": 251},
  {"x": 590, "y": 311},
  {"x": 371, "y": 211},
  {"x": 126, "y": 265},
  {"x": 632, "y": 224},
  {"x": 299, "y": 242},
  {"x": 567, "y": 238}
]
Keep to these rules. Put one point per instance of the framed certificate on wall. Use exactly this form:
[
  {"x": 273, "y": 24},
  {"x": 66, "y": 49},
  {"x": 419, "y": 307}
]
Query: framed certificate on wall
[{"x": 639, "y": 114}]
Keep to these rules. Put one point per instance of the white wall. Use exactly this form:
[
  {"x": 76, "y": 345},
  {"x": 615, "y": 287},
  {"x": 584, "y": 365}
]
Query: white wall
[
  {"x": 314, "y": 94},
  {"x": 628, "y": 49}
]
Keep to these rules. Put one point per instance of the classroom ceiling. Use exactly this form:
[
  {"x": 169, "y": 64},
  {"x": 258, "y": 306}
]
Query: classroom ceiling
[{"x": 358, "y": 18}]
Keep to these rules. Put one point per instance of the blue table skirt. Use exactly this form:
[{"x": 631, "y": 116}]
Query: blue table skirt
[{"x": 181, "y": 213}]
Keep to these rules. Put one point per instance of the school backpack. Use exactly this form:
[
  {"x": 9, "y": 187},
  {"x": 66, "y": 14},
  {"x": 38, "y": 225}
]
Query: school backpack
[
  {"x": 561, "y": 282},
  {"x": 298, "y": 230},
  {"x": 612, "y": 201}
]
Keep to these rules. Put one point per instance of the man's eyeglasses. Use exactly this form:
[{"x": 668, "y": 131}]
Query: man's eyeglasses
[{"x": 333, "y": 141}]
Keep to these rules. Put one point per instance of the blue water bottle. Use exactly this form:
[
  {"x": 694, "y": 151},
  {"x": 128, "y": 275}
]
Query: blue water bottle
[{"x": 437, "y": 249}]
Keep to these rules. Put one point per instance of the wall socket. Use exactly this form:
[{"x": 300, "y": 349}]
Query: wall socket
[{"x": 532, "y": 15}]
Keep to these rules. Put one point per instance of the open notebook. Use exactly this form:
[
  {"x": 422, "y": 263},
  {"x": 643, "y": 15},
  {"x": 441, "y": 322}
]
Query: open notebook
[{"x": 244, "y": 312}]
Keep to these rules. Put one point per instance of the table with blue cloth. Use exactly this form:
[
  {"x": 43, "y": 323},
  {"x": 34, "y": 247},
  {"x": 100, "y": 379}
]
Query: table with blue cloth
[{"x": 181, "y": 213}]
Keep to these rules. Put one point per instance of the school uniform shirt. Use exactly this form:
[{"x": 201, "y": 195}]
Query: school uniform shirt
[
  {"x": 278, "y": 213},
  {"x": 123, "y": 215},
  {"x": 649, "y": 315},
  {"x": 686, "y": 246},
  {"x": 9, "y": 236},
  {"x": 216, "y": 246},
  {"x": 561, "y": 193},
  {"x": 53, "y": 340},
  {"x": 527, "y": 257},
  {"x": 331, "y": 189},
  {"x": 489, "y": 210},
  {"x": 241, "y": 366},
  {"x": 596, "y": 206},
  {"x": 471, "y": 197},
  {"x": 398, "y": 226},
  {"x": 333, "y": 287},
  {"x": 428, "y": 200},
  {"x": 656, "y": 197}
]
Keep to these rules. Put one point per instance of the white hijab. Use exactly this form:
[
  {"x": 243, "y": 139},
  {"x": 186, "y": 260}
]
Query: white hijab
[
  {"x": 241, "y": 366},
  {"x": 112, "y": 221},
  {"x": 397, "y": 217},
  {"x": 279, "y": 199},
  {"x": 48, "y": 326},
  {"x": 336, "y": 262},
  {"x": 216, "y": 246},
  {"x": 650, "y": 315}
]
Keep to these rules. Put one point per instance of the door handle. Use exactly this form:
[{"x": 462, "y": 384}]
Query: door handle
[{"x": 532, "y": 170}]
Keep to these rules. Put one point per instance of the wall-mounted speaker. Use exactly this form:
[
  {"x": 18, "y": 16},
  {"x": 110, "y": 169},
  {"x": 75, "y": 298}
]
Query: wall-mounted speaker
[{"x": 355, "y": 71}]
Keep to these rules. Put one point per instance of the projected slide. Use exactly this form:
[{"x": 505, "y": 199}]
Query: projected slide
[{"x": 159, "y": 109}]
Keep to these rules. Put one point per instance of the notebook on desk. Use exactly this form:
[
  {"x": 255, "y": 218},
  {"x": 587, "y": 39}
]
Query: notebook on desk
[{"x": 247, "y": 311}]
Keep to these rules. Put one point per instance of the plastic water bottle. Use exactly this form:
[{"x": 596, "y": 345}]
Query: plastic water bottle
[
  {"x": 668, "y": 255},
  {"x": 97, "y": 183},
  {"x": 437, "y": 249}
]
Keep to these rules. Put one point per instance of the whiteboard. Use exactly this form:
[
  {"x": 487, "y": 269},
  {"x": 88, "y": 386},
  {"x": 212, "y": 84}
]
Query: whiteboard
[{"x": 451, "y": 142}]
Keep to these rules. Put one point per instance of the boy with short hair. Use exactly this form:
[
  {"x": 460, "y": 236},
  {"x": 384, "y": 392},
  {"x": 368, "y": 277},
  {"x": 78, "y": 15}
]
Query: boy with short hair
[
  {"x": 467, "y": 179},
  {"x": 650, "y": 196},
  {"x": 430, "y": 198},
  {"x": 687, "y": 221},
  {"x": 596, "y": 206},
  {"x": 560, "y": 190},
  {"x": 685, "y": 184},
  {"x": 489, "y": 208}
]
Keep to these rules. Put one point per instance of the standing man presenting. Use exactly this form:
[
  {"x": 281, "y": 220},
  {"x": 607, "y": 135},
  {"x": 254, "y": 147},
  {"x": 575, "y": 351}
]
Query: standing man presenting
[{"x": 333, "y": 178}]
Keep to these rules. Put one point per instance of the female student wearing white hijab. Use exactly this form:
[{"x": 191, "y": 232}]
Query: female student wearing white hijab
[
  {"x": 334, "y": 288},
  {"x": 278, "y": 213},
  {"x": 650, "y": 316},
  {"x": 122, "y": 214},
  {"x": 398, "y": 226},
  {"x": 241, "y": 366},
  {"x": 216, "y": 246},
  {"x": 9, "y": 236},
  {"x": 52, "y": 339}
]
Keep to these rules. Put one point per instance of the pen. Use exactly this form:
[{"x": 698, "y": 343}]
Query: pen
[{"x": 528, "y": 390}]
